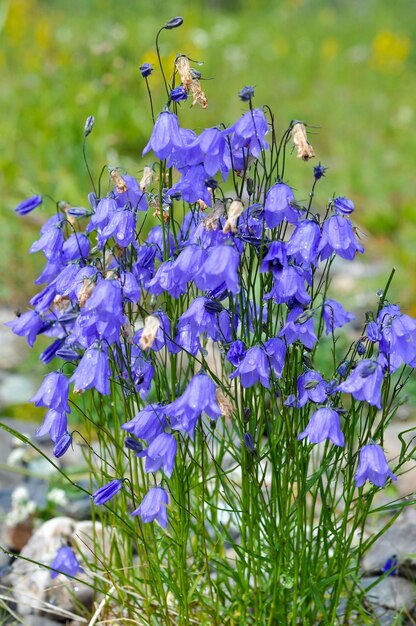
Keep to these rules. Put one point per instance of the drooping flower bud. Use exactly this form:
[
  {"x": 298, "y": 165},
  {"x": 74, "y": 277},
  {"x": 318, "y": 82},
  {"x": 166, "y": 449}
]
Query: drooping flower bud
[
  {"x": 299, "y": 138},
  {"x": 178, "y": 94},
  {"x": 89, "y": 125},
  {"x": 151, "y": 326},
  {"x": 235, "y": 209},
  {"x": 175, "y": 22},
  {"x": 28, "y": 205}
]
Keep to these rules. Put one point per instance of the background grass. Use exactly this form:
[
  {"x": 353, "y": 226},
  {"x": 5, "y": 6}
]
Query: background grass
[{"x": 347, "y": 67}]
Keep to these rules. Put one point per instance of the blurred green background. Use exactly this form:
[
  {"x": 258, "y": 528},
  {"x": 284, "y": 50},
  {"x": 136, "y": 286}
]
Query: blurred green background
[{"x": 347, "y": 67}]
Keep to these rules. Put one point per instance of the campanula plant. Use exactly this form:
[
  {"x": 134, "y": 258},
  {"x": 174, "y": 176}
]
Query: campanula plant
[{"x": 187, "y": 313}]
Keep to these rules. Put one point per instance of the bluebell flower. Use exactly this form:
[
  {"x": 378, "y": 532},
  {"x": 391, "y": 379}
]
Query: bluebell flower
[
  {"x": 28, "y": 205},
  {"x": 121, "y": 226},
  {"x": 324, "y": 424},
  {"x": 253, "y": 367},
  {"x": 343, "y": 206},
  {"x": 335, "y": 316},
  {"x": 178, "y": 94},
  {"x": 311, "y": 386},
  {"x": 403, "y": 338},
  {"x": 338, "y": 237},
  {"x": 130, "y": 287},
  {"x": 75, "y": 247},
  {"x": 304, "y": 242},
  {"x": 275, "y": 350},
  {"x": 53, "y": 393},
  {"x": 236, "y": 352},
  {"x": 373, "y": 332},
  {"x": 275, "y": 259},
  {"x": 198, "y": 396},
  {"x": 50, "y": 243},
  {"x": 206, "y": 316},
  {"x": 210, "y": 149},
  {"x": 289, "y": 286},
  {"x": 364, "y": 382},
  {"x": 299, "y": 326},
  {"x": 30, "y": 324},
  {"x": 278, "y": 206},
  {"x": 130, "y": 194},
  {"x": 104, "y": 210},
  {"x": 249, "y": 132},
  {"x": 373, "y": 466},
  {"x": 55, "y": 425},
  {"x": 160, "y": 238},
  {"x": 220, "y": 267},
  {"x": 193, "y": 185},
  {"x": 43, "y": 300},
  {"x": 161, "y": 454},
  {"x": 65, "y": 562},
  {"x": 149, "y": 423},
  {"x": 103, "y": 311},
  {"x": 107, "y": 492},
  {"x": 165, "y": 136},
  {"x": 154, "y": 507},
  {"x": 93, "y": 370}
]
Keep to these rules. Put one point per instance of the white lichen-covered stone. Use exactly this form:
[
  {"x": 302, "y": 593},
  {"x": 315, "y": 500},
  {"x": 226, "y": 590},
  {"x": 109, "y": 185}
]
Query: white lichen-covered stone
[{"x": 33, "y": 588}]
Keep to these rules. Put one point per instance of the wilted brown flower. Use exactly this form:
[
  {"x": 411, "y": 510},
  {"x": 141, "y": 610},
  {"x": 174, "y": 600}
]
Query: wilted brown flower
[
  {"x": 224, "y": 403},
  {"x": 151, "y": 326},
  {"x": 235, "y": 209},
  {"x": 299, "y": 137},
  {"x": 118, "y": 180},
  {"x": 85, "y": 292},
  {"x": 198, "y": 95},
  {"x": 184, "y": 71},
  {"x": 146, "y": 178}
]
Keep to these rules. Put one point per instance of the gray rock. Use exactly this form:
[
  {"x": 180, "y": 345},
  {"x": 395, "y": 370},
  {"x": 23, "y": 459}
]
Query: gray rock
[
  {"x": 398, "y": 540},
  {"x": 15, "y": 388},
  {"x": 33, "y": 588},
  {"x": 393, "y": 592}
]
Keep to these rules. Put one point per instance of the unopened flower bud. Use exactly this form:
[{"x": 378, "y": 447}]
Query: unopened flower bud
[
  {"x": 249, "y": 442},
  {"x": 178, "y": 94},
  {"x": 246, "y": 94},
  {"x": 146, "y": 69},
  {"x": 175, "y": 22},
  {"x": 151, "y": 326},
  {"x": 304, "y": 148},
  {"x": 89, "y": 124},
  {"x": 146, "y": 178},
  {"x": 235, "y": 209}
]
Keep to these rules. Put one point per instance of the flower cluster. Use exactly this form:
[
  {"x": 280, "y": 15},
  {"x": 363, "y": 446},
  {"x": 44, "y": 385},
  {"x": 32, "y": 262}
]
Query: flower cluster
[{"x": 116, "y": 296}]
